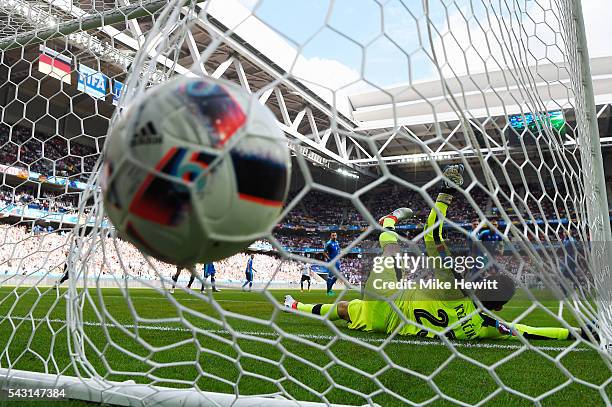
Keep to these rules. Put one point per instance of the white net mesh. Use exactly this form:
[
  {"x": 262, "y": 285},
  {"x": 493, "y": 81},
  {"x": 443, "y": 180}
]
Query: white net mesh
[{"x": 502, "y": 88}]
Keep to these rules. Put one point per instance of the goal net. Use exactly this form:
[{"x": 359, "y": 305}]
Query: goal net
[{"x": 376, "y": 101}]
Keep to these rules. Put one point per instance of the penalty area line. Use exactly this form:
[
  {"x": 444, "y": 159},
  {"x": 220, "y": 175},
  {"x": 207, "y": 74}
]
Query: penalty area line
[{"x": 457, "y": 344}]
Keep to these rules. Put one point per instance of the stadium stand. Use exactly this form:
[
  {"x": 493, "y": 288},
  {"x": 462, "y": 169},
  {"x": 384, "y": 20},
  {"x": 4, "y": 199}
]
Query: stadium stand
[{"x": 305, "y": 229}]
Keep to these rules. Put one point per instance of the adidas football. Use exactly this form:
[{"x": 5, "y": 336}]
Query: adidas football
[{"x": 194, "y": 171}]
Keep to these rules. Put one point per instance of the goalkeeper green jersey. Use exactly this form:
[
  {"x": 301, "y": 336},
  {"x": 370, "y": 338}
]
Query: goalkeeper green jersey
[{"x": 436, "y": 315}]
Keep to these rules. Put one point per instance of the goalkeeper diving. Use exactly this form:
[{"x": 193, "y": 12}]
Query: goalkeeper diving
[{"x": 432, "y": 312}]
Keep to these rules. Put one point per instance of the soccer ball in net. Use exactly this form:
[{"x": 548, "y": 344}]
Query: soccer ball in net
[{"x": 195, "y": 170}]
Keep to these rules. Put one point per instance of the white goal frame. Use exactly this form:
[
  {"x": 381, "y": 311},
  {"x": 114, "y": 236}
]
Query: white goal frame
[{"x": 97, "y": 389}]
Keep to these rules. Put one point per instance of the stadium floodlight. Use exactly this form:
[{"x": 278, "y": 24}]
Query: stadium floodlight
[
  {"x": 347, "y": 173},
  {"x": 497, "y": 110}
]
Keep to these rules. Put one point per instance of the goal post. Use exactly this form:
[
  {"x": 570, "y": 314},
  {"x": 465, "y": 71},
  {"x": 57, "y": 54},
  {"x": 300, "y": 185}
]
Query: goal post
[
  {"x": 505, "y": 90},
  {"x": 592, "y": 164}
]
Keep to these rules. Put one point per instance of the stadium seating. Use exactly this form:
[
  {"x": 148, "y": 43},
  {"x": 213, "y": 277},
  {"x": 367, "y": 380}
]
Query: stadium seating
[{"x": 304, "y": 230}]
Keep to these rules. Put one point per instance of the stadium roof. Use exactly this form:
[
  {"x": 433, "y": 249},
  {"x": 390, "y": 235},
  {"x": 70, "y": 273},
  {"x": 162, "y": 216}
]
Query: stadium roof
[
  {"x": 304, "y": 109},
  {"x": 479, "y": 95},
  {"x": 409, "y": 111}
]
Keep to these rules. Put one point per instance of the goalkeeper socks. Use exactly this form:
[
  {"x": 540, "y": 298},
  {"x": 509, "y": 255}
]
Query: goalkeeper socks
[
  {"x": 389, "y": 222},
  {"x": 531, "y": 332},
  {"x": 318, "y": 309},
  {"x": 389, "y": 236}
]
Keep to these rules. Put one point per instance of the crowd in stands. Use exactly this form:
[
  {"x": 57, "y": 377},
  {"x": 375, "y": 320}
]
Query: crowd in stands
[
  {"x": 300, "y": 241},
  {"x": 49, "y": 156},
  {"x": 41, "y": 249},
  {"x": 23, "y": 251},
  {"x": 46, "y": 201},
  {"x": 267, "y": 268},
  {"x": 52, "y": 155},
  {"x": 354, "y": 269},
  {"x": 319, "y": 208}
]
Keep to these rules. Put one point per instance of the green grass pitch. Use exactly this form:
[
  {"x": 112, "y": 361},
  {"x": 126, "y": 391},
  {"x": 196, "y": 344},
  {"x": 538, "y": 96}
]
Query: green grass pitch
[{"x": 260, "y": 361}]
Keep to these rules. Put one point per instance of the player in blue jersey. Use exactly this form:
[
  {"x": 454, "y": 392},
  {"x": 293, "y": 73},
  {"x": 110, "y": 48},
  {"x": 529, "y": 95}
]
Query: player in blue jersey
[
  {"x": 330, "y": 251},
  {"x": 490, "y": 234},
  {"x": 249, "y": 273},
  {"x": 570, "y": 256},
  {"x": 491, "y": 241},
  {"x": 209, "y": 271}
]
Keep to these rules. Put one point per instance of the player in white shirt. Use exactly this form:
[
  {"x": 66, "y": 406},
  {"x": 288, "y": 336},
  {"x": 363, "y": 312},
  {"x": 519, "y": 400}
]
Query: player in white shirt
[{"x": 305, "y": 276}]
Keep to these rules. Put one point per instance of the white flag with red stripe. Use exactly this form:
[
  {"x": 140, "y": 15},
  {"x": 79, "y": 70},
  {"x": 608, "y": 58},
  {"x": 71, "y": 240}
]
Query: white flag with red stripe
[{"x": 55, "y": 64}]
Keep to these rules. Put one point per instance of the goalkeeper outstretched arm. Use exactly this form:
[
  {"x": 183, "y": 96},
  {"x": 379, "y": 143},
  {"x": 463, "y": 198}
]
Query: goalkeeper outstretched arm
[
  {"x": 435, "y": 245},
  {"x": 388, "y": 241}
]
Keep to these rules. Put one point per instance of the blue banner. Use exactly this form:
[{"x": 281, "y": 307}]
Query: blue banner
[
  {"x": 65, "y": 181},
  {"x": 315, "y": 249},
  {"x": 318, "y": 269},
  {"x": 92, "y": 82},
  {"x": 21, "y": 211},
  {"x": 117, "y": 89}
]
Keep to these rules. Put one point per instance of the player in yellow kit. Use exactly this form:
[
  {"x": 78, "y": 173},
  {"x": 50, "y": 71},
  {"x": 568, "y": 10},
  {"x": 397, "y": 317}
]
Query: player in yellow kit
[{"x": 430, "y": 312}]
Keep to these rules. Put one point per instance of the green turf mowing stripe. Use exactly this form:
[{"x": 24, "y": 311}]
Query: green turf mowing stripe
[{"x": 310, "y": 336}]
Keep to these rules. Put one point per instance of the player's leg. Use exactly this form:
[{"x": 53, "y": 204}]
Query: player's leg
[
  {"x": 212, "y": 283},
  {"x": 64, "y": 278},
  {"x": 302, "y": 284},
  {"x": 175, "y": 278},
  {"x": 65, "y": 275},
  {"x": 192, "y": 277},
  {"x": 250, "y": 282},
  {"x": 494, "y": 329},
  {"x": 332, "y": 277},
  {"x": 333, "y": 312},
  {"x": 369, "y": 316},
  {"x": 331, "y": 280},
  {"x": 308, "y": 279}
]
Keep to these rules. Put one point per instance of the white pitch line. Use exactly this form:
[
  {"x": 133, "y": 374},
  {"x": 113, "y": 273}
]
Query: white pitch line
[
  {"x": 307, "y": 336},
  {"x": 179, "y": 299}
]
